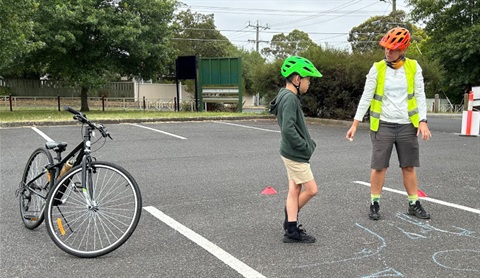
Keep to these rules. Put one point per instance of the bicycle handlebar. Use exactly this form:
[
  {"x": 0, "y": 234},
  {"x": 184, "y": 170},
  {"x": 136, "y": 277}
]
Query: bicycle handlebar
[{"x": 79, "y": 116}]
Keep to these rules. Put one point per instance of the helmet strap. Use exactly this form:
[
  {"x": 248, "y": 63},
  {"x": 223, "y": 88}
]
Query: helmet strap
[
  {"x": 297, "y": 87},
  {"x": 396, "y": 64},
  {"x": 289, "y": 80}
]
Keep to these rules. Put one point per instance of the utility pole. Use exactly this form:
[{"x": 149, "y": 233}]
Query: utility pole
[
  {"x": 394, "y": 7},
  {"x": 394, "y": 4},
  {"x": 257, "y": 43},
  {"x": 257, "y": 37}
]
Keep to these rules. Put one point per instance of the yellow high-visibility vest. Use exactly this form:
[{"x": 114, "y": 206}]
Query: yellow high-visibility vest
[{"x": 376, "y": 105}]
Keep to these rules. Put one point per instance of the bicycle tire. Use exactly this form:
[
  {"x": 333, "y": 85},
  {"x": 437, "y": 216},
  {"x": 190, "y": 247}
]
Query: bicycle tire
[
  {"x": 32, "y": 205},
  {"x": 87, "y": 231}
]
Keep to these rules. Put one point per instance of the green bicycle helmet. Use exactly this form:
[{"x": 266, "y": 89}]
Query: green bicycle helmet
[{"x": 299, "y": 65}]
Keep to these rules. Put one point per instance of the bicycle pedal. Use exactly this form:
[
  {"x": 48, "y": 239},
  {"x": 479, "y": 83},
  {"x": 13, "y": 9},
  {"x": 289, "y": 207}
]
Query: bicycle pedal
[{"x": 31, "y": 217}]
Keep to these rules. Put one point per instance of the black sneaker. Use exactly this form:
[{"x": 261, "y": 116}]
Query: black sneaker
[
  {"x": 418, "y": 211},
  {"x": 300, "y": 236},
  {"x": 374, "y": 211}
]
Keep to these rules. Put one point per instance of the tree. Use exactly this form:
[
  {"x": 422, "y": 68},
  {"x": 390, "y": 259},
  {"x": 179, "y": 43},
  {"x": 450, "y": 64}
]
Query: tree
[
  {"x": 365, "y": 39},
  {"x": 294, "y": 43},
  {"x": 267, "y": 79},
  {"x": 196, "y": 34},
  {"x": 251, "y": 62},
  {"x": 85, "y": 41},
  {"x": 16, "y": 30},
  {"x": 366, "y": 36},
  {"x": 453, "y": 27}
]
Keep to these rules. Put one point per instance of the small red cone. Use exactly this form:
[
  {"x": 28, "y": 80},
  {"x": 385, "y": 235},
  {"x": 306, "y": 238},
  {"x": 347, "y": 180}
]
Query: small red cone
[
  {"x": 421, "y": 193},
  {"x": 269, "y": 191}
]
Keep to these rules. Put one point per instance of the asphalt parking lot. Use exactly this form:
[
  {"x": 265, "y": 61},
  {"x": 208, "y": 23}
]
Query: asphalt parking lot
[{"x": 204, "y": 214}]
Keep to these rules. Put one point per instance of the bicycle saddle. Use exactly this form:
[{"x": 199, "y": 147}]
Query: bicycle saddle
[{"x": 58, "y": 147}]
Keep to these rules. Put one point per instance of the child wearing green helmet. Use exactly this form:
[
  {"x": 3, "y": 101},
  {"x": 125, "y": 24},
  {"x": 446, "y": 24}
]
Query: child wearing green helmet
[{"x": 296, "y": 145}]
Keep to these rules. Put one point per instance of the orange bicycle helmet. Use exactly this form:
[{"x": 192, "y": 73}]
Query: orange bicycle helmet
[{"x": 397, "y": 38}]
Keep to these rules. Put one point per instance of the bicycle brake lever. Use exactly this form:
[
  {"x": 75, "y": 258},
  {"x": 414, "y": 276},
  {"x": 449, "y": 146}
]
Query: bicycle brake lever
[{"x": 104, "y": 131}]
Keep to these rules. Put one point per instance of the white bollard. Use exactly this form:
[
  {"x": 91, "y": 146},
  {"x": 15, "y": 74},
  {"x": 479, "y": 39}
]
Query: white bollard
[{"x": 470, "y": 119}]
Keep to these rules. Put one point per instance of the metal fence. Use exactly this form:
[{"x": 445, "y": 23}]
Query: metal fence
[
  {"x": 13, "y": 103},
  {"x": 53, "y": 88},
  {"x": 447, "y": 108},
  {"x": 123, "y": 103}
]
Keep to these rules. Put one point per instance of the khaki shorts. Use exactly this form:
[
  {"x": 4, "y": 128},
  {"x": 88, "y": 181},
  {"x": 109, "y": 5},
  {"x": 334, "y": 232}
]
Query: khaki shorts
[{"x": 299, "y": 172}]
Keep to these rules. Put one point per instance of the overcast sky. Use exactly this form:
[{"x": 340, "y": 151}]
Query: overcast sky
[{"x": 326, "y": 21}]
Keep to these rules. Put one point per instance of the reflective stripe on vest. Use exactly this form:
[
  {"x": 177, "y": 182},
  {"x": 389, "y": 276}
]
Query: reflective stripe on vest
[{"x": 376, "y": 105}]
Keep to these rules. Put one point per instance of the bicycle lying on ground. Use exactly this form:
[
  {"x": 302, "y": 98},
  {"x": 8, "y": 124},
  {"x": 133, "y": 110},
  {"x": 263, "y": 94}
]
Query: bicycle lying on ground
[{"x": 91, "y": 207}]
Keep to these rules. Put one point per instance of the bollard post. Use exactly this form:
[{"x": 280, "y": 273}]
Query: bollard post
[
  {"x": 436, "y": 103},
  {"x": 103, "y": 103},
  {"x": 144, "y": 105},
  {"x": 58, "y": 103},
  {"x": 470, "y": 113}
]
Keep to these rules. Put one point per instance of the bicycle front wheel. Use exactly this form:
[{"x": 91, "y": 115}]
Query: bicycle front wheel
[
  {"x": 95, "y": 219},
  {"x": 34, "y": 188}
]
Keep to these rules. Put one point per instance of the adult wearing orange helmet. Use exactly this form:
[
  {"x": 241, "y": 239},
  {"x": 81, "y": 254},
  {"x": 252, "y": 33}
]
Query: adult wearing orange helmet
[{"x": 394, "y": 91}]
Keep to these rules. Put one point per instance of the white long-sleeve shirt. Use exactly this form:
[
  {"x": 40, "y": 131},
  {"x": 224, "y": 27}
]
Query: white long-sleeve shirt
[{"x": 395, "y": 99}]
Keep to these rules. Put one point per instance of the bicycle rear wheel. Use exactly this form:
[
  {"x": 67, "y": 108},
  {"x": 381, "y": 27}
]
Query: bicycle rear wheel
[
  {"x": 91, "y": 223},
  {"x": 34, "y": 188}
]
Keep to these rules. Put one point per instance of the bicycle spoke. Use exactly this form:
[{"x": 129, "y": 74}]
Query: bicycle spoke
[{"x": 102, "y": 218}]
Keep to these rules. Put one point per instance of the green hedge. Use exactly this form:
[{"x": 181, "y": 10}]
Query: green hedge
[{"x": 337, "y": 93}]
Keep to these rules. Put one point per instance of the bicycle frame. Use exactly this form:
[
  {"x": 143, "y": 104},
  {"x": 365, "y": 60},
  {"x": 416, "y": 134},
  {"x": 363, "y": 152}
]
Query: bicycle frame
[
  {"x": 82, "y": 152},
  {"x": 58, "y": 166},
  {"x": 29, "y": 188},
  {"x": 86, "y": 163}
]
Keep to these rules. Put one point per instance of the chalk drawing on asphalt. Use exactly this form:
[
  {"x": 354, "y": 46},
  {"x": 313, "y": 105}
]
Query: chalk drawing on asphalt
[{"x": 458, "y": 259}]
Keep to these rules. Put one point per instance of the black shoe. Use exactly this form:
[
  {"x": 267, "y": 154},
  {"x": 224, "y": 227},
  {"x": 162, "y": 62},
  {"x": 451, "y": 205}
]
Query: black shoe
[
  {"x": 374, "y": 211},
  {"x": 300, "y": 236},
  {"x": 418, "y": 211}
]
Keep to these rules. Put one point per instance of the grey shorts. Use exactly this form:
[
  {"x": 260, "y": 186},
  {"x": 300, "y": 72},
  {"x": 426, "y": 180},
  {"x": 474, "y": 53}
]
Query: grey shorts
[{"x": 403, "y": 136}]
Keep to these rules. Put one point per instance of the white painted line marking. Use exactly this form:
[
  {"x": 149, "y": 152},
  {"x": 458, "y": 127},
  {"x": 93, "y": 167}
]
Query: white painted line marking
[
  {"x": 469, "y": 209},
  {"x": 246, "y": 126},
  {"x": 218, "y": 252},
  {"x": 157, "y": 130},
  {"x": 42, "y": 134}
]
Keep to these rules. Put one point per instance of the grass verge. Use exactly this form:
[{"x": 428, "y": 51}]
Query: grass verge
[{"x": 42, "y": 116}]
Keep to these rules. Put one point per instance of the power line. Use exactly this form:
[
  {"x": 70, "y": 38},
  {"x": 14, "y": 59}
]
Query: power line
[
  {"x": 290, "y": 41},
  {"x": 323, "y": 21},
  {"x": 283, "y": 13},
  {"x": 253, "y": 31},
  {"x": 308, "y": 16},
  {"x": 394, "y": 9},
  {"x": 394, "y": 4},
  {"x": 317, "y": 14}
]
